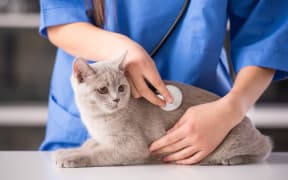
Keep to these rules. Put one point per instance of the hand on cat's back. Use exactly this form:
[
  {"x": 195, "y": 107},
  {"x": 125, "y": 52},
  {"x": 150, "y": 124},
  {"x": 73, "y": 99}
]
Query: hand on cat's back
[{"x": 198, "y": 132}]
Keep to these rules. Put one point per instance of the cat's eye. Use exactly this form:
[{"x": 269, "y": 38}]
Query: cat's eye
[
  {"x": 121, "y": 88},
  {"x": 103, "y": 90}
]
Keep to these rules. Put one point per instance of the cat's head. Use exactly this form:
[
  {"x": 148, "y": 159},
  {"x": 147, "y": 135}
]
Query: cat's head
[{"x": 102, "y": 84}]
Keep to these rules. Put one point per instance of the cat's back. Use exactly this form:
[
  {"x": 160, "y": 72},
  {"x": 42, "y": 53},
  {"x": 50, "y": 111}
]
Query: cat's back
[{"x": 193, "y": 95}]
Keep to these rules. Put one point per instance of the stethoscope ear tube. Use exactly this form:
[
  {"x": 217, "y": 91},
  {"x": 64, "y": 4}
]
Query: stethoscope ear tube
[
  {"x": 174, "y": 90},
  {"x": 171, "y": 29}
]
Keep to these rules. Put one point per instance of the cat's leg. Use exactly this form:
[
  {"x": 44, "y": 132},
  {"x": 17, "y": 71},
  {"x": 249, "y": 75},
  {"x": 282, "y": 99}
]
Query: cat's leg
[
  {"x": 241, "y": 159},
  {"x": 111, "y": 157},
  {"x": 126, "y": 152},
  {"x": 74, "y": 157},
  {"x": 92, "y": 154},
  {"x": 117, "y": 156},
  {"x": 71, "y": 158},
  {"x": 235, "y": 160},
  {"x": 245, "y": 144},
  {"x": 256, "y": 153}
]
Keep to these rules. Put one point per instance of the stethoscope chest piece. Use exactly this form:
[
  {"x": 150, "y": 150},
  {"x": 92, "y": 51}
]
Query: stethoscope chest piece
[{"x": 177, "y": 97}]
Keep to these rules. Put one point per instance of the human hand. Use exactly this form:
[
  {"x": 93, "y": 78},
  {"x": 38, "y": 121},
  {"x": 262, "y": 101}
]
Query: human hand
[
  {"x": 139, "y": 67},
  {"x": 199, "y": 131}
]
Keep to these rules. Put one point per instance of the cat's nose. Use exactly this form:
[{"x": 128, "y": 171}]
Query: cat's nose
[{"x": 116, "y": 100}]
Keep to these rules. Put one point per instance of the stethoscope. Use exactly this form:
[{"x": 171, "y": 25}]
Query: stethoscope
[{"x": 174, "y": 90}]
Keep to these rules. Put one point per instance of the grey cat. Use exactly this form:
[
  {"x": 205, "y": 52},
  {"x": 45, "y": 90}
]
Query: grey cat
[{"x": 122, "y": 128}]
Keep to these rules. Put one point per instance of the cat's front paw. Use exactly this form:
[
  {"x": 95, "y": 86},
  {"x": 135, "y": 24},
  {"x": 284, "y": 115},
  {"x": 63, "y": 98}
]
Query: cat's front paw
[{"x": 70, "y": 158}]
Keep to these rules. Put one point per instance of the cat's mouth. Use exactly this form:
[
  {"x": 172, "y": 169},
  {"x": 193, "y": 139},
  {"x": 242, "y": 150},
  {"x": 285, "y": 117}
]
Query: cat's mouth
[{"x": 114, "y": 106}]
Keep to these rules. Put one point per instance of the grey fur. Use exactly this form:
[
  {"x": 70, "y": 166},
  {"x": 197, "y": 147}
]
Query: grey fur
[{"x": 122, "y": 131}]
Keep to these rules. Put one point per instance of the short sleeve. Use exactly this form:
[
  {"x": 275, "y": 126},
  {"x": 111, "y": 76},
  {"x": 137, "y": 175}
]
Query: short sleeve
[
  {"x": 259, "y": 35},
  {"x": 58, "y": 12}
]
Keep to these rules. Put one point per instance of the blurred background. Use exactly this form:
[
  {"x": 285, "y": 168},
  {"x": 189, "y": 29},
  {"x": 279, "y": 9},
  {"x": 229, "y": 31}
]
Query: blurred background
[{"x": 26, "y": 62}]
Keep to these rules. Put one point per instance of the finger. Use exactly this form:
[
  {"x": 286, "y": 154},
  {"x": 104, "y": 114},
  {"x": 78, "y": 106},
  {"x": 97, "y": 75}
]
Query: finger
[
  {"x": 193, "y": 159},
  {"x": 144, "y": 91},
  {"x": 182, "y": 154},
  {"x": 167, "y": 140},
  {"x": 173, "y": 147},
  {"x": 134, "y": 91},
  {"x": 154, "y": 78}
]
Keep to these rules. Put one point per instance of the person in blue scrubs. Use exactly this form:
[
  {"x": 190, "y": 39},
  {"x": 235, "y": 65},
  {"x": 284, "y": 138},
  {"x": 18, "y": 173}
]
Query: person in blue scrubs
[{"x": 193, "y": 54}]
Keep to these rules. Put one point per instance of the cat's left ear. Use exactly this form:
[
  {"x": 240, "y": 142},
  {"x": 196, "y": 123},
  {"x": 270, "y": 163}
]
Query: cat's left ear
[
  {"x": 119, "y": 62},
  {"x": 81, "y": 70}
]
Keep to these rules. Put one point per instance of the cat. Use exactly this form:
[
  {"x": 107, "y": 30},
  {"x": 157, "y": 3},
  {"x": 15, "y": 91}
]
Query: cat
[{"x": 122, "y": 128}]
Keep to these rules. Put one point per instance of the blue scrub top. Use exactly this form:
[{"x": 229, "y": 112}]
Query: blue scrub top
[{"x": 192, "y": 54}]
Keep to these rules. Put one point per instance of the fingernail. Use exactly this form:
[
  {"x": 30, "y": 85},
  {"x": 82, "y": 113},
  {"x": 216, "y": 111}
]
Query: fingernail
[
  {"x": 169, "y": 99},
  {"x": 163, "y": 104}
]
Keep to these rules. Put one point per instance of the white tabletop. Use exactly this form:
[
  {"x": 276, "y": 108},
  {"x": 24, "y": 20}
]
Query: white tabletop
[{"x": 38, "y": 166}]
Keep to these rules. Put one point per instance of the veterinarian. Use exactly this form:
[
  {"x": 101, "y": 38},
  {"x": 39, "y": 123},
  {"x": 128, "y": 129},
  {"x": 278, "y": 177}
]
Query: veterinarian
[{"x": 192, "y": 53}]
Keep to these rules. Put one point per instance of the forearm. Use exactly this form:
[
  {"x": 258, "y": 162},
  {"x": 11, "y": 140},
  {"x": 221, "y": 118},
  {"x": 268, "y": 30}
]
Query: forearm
[
  {"x": 86, "y": 40},
  {"x": 90, "y": 42},
  {"x": 249, "y": 85}
]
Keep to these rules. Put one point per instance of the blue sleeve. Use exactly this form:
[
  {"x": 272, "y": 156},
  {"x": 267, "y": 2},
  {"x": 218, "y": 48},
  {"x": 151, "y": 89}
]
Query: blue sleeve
[
  {"x": 58, "y": 12},
  {"x": 259, "y": 35}
]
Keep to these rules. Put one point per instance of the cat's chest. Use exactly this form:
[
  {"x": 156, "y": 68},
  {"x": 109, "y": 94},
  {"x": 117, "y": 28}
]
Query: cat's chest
[{"x": 113, "y": 129}]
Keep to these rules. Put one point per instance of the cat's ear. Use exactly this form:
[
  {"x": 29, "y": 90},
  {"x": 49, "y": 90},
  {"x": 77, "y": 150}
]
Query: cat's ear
[
  {"x": 120, "y": 61},
  {"x": 81, "y": 70}
]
